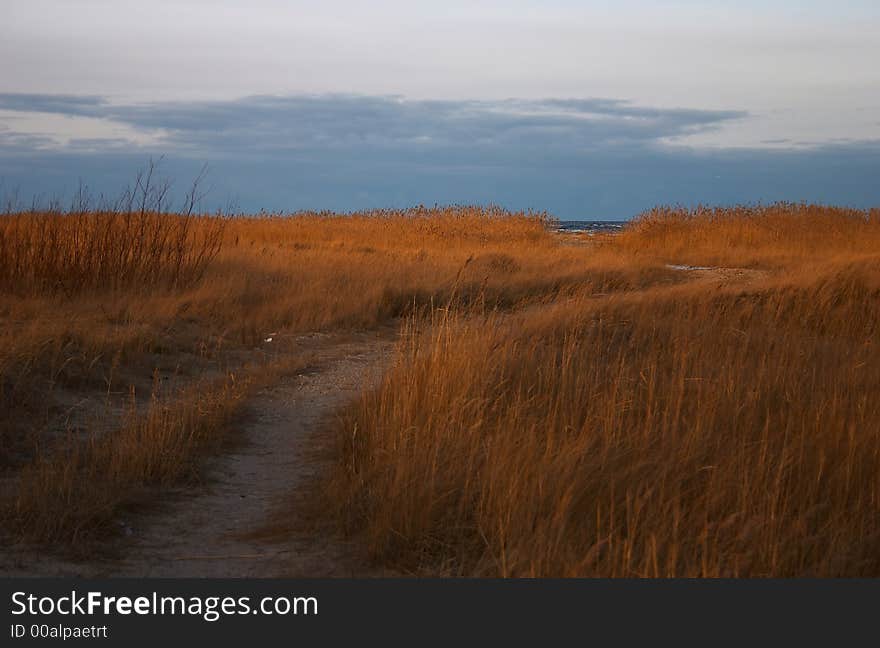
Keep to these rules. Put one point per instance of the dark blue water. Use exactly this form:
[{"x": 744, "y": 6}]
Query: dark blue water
[{"x": 590, "y": 227}]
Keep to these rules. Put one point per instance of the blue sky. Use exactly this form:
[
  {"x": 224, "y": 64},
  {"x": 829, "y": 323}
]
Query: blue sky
[{"x": 588, "y": 109}]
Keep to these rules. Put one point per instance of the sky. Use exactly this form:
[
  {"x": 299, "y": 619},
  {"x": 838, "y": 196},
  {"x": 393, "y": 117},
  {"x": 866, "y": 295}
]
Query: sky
[{"x": 588, "y": 109}]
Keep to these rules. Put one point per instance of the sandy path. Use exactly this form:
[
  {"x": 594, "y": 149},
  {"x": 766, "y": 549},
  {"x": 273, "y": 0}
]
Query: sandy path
[
  {"x": 206, "y": 535},
  {"x": 721, "y": 275},
  {"x": 205, "y": 531}
]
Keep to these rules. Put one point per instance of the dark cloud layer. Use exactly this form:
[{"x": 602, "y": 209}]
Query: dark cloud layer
[
  {"x": 58, "y": 104},
  {"x": 579, "y": 158},
  {"x": 268, "y": 123}
]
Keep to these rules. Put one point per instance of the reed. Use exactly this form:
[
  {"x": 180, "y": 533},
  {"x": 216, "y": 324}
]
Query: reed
[
  {"x": 72, "y": 253},
  {"x": 558, "y": 405},
  {"x": 699, "y": 429},
  {"x": 94, "y": 304}
]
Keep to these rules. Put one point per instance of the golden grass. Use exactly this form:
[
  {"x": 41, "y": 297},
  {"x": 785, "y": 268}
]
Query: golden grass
[
  {"x": 100, "y": 251},
  {"x": 697, "y": 430},
  {"x": 777, "y": 235},
  {"x": 555, "y": 408},
  {"x": 92, "y": 304}
]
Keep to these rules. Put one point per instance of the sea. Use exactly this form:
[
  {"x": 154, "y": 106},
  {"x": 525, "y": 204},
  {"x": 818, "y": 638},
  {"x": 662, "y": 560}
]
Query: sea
[{"x": 590, "y": 226}]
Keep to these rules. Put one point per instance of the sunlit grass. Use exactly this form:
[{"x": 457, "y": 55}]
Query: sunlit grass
[{"x": 699, "y": 430}]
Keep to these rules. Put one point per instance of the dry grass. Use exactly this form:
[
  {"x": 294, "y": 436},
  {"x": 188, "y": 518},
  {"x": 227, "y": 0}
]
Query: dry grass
[
  {"x": 779, "y": 235},
  {"x": 74, "y": 493},
  {"x": 555, "y": 409},
  {"x": 103, "y": 251},
  {"x": 694, "y": 430},
  {"x": 94, "y": 304}
]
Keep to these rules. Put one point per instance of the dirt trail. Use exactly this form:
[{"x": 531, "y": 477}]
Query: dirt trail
[
  {"x": 220, "y": 528},
  {"x": 721, "y": 275},
  {"x": 209, "y": 531},
  {"x": 207, "y": 535}
]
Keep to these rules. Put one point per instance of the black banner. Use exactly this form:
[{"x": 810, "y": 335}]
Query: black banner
[{"x": 267, "y": 612}]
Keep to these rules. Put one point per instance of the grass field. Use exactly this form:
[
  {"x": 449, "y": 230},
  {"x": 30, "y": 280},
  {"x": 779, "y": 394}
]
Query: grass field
[
  {"x": 558, "y": 404},
  {"x": 726, "y": 426}
]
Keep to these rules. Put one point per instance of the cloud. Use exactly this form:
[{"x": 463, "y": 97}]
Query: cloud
[
  {"x": 578, "y": 158},
  {"x": 11, "y": 142},
  {"x": 51, "y": 103},
  {"x": 267, "y": 124}
]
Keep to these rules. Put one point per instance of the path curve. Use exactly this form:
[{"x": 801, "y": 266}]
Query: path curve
[
  {"x": 212, "y": 534},
  {"x": 212, "y": 530}
]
